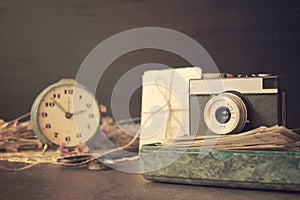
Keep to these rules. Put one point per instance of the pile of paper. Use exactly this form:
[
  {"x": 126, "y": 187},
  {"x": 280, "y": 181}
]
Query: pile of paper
[
  {"x": 165, "y": 103},
  {"x": 276, "y": 138}
]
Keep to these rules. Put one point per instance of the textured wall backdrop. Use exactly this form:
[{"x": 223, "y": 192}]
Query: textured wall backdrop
[{"x": 43, "y": 41}]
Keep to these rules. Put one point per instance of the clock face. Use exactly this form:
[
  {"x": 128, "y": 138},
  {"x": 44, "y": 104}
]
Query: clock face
[{"x": 68, "y": 114}]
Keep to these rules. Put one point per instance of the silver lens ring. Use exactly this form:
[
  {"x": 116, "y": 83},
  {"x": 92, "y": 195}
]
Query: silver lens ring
[{"x": 233, "y": 110}]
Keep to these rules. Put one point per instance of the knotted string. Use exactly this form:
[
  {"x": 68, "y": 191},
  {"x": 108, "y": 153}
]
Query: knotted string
[{"x": 167, "y": 95}]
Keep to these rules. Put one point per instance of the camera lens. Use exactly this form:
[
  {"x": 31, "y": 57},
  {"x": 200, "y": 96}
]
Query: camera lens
[
  {"x": 226, "y": 113},
  {"x": 223, "y": 114}
]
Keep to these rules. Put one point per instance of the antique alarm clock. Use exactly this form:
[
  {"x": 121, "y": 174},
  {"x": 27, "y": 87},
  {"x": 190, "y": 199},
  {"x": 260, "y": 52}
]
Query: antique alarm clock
[{"x": 65, "y": 113}]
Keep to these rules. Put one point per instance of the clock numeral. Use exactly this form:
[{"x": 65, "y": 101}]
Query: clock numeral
[
  {"x": 48, "y": 126},
  {"x": 56, "y": 135},
  {"x": 88, "y": 105},
  {"x": 44, "y": 114},
  {"x": 80, "y": 97},
  {"x": 69, "y": 91},
  {"x": 91, "y": 116},
  {"x": 78, "y": 135},
  {"x": 88, "y": 126},
  {"x": 49, "y": 104},
  {"x": 68, "y": 139},
  {"x": 56, "y": 96}
]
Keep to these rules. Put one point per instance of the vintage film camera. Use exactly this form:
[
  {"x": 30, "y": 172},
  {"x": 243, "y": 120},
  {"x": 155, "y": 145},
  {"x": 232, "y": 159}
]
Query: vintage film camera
[{"x": 223, "y": 104}]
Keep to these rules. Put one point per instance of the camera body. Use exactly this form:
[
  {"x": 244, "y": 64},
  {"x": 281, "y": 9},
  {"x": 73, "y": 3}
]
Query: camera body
[{"x": 224, "y": 105}]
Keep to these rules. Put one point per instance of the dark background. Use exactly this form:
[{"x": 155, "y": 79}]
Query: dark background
[{"x": 44, "y": 41}]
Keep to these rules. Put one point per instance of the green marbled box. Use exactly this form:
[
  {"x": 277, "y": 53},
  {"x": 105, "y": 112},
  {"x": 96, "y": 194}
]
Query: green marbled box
[{"x": 226, "y": 168}]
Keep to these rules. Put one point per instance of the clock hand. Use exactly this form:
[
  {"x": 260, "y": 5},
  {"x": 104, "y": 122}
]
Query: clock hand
[
  {"x": 68, "y": 104},
  {"x": 59, "y": 105},
  {"x": 78, "y": 112}
]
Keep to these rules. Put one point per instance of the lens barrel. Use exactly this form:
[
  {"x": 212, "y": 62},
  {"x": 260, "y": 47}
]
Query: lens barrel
[{"x": 226, "y": 113}]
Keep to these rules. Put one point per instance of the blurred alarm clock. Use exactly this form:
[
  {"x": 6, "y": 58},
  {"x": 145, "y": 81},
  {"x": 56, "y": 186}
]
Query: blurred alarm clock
[{"x": 65, "y": 113}]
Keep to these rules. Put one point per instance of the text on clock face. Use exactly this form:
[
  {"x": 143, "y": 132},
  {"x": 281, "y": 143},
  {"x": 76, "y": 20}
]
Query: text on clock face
[{"x": 68, "y": 114}]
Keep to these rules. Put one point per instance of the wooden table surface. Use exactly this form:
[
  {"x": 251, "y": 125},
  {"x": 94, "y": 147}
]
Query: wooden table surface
[{"x": 54, "y": 182}]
